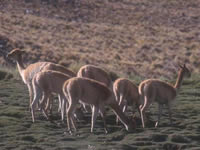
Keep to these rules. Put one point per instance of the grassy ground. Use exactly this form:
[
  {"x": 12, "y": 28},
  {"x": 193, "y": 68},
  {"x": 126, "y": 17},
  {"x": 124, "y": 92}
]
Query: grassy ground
[
  {"x": 137, "y": 39},
  {"x": 18, "y": 132}
]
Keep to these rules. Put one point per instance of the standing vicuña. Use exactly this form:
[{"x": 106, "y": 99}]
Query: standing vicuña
[
  {"x": 47, "y": 82},
  {"x": 94, "y": 93},
  {"x": 163, "y": 93},
  {"x": 27, "y": 73},
  {"x": 126, "y": 93}
]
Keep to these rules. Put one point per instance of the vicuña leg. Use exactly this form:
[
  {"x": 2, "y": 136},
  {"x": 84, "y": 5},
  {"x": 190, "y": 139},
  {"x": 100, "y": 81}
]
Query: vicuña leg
[
  {"x": 60, "y": 103},
  {"x": 70, "y": 118},
  {"x": 160, "y": 108},
  {"x": 103, "y": 115},
  {"x": 30, "y": 90},
  {"x": 147, "y": 103},
  {"x": 37, "y": 97},
  {"x": 95, "y": 111},
  {"x": 120, "y": 99},
  {"x": 64, "y": 106},
  {"x": 45, "y": 101}
]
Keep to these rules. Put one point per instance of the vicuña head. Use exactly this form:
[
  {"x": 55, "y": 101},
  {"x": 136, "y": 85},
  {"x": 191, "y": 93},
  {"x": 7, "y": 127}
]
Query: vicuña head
[
  {"x": 15, "y": 53},
  {"x": 183, "y": 72}
]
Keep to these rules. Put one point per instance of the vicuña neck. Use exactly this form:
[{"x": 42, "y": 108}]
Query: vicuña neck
[
  {"x": 179, "y": 80},
  {"x": 20, "y": 65}
]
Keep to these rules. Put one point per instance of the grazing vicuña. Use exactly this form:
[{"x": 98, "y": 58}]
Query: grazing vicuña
[
  {"x": 94, "y": 93},
  {"x": 126, "y": 94}
]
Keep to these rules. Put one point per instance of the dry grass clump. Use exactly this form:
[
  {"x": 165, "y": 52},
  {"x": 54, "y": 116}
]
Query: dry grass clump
[{"x": 142, "y": 38}]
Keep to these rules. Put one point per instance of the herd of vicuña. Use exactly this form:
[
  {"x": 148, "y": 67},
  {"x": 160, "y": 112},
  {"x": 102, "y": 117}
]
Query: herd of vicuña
[{"x": 93, "y": 90}]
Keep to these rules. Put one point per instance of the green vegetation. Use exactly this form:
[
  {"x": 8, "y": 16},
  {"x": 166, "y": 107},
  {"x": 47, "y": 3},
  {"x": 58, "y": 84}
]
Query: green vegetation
[
  {"x": 18, "y": 131},
  {"x": 5, "y": 74}
]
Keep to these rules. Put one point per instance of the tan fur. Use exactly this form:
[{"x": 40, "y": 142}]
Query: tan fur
[
  {"x": 126, "y": 93},
  {"x": 60, "y": 68},
  {"x": 27, "y": 73},
  {"x": 47, "y": 82},
  {"x": 163, "y": 93},
  {"x": 94, "y": 93},
  {"x": 95, "y": 73}
]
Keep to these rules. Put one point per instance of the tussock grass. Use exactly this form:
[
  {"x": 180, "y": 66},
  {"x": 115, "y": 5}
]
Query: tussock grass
[
  {"x": 16, "y": 125},
  {"x": 7, "y": 73}
]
